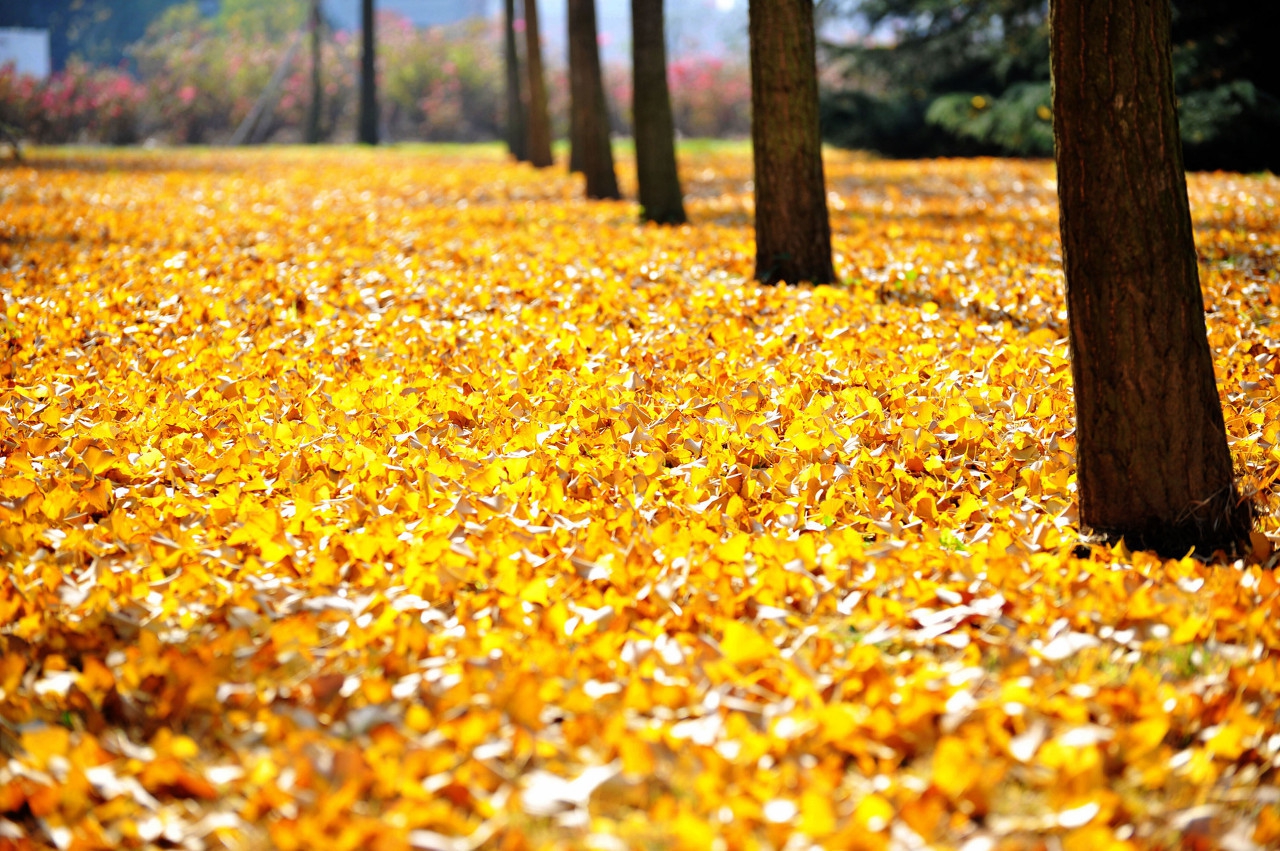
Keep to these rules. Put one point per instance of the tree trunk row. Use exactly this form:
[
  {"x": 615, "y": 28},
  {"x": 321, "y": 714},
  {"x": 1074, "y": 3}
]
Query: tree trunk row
[{"x": 1153, "y": 465}]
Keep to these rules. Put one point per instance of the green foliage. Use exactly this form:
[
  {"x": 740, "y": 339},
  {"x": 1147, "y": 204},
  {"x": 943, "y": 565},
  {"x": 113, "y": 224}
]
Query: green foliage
[
  {"x": 947, "y": 45},
  {"x": 923, "y": 50},
  {"x": 893, "y": 124},
  {"x": 177, "y": 20},
  {"x": 1019, "y": 119},
  {"x": 250, "y": 18},
  {"x": 948, "y": 78},
  {"x": 441, "y": 83}
]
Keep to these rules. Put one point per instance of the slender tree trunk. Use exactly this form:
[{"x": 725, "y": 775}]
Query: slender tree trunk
[
  {"x": 368, "y": 126},
  {"x": 317, "y": 86},
  {"x": 539, "y": 120},
  {"x": 517, "y": 141},
  {"x": 793, "y": 233},
  {"x": 590, "y": 111},
  {"x": 576, "y": 114},
  {"x": 1152, "y": 457},
  {"x": 661, "y": 200}
]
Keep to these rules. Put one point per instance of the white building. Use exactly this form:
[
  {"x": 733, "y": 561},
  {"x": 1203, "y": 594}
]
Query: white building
[{"x": 27, "y": 51}]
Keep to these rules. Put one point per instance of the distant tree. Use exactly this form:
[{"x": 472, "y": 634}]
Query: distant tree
[
  {"x": 793, "y": 232},
  {"x": 1152, "y": 456},
  {"x": 272, "y": 21},
  {"x": 661, "y": 199},
  {"x": 368, "y": 121},
  {"x": 539, "y": 120},
  {"x": 589, "y": 112},
  {"x": 314, "y": 108},
  {"x": 517, "y": 135}
]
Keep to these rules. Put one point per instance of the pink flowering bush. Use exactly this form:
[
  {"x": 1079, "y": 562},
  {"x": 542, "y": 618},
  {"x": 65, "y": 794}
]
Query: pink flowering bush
[
  {"x": 710, "y": 96},
  {"x": 78, "y": 104},
  {"x": 442, "y": 83},
  {"x": 202, "y": 80},
  {"x": 438, "y": 83}
]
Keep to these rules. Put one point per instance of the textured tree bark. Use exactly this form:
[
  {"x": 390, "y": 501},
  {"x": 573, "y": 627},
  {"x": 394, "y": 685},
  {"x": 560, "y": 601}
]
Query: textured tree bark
[
  {"x": 368, "y": 125},
  {"x": 589, "y": 111},
  {"x": 539, "y": 121},
  {"x": 315, "y": 22},
  {"x": 1152, "y": 460},
  {"x": 517, "y": 140},
  {"x": 793, "y": 233},
  {"x": 661, "y": 199}
]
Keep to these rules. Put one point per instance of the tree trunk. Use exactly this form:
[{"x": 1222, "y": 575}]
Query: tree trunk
[
  {"x": 517, "y": 141},
  {"x": 661, "y": 200},
  {"x": 590, "y": 110},
  {"x": 575, "y": 114},
  {"x": 368, "y": 127},
  {"x": 316, "y": 105},
  {"x": 1152, "y": 460},
  {"x": 793, "y": 233},
  {"x": 539, "y": 120}
]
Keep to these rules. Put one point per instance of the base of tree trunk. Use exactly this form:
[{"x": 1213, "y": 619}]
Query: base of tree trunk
[
  {"x": 793, "y": 231},
  {"x": 1223, "y": 525},
  {"x": 1152, "y": 461}
]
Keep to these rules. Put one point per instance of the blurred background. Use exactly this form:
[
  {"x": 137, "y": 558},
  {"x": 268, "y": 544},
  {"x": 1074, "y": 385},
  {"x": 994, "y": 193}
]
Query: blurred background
[{"x": 903, "y": 78}]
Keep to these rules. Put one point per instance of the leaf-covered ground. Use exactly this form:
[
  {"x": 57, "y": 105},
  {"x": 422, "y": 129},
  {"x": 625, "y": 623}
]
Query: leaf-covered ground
[{"x": 374, "y": 500}]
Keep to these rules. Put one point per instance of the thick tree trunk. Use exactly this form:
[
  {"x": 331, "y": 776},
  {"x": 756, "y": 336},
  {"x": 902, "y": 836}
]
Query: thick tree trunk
[
  {"x": 1152, "y": 457},
  {"x": 368, "y": 125},
  {"x": 661, "y": 200},
  {"x": 589, "y": 111},
  {"x": 517, "y": 140},
  {"x": 539, "y": 120},
  {"x": 316, "y": 105},
  {"x": 793, "y": 233}
]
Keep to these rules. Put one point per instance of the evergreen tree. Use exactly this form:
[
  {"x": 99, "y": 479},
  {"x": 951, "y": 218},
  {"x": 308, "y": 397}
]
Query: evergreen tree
[{"x": 963, "y": 77}]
